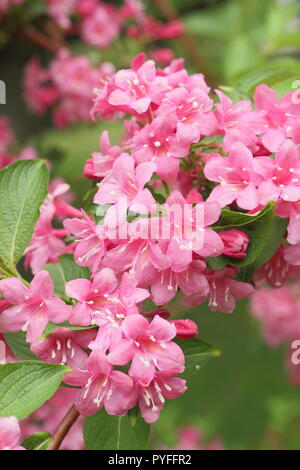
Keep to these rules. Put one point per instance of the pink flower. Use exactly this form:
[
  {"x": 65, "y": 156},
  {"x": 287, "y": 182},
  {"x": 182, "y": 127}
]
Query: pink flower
[
  {"x": 191, "y": 281},
  {"x": 60, "y": 11},
  {"x": 280, "y": 267},
  {"x": 149, "y": 346},
  {"x": 157, "y": 143},
  {"x": 103, "y": 387},
  {"x": 65, "y": 346},
  {"x": 102, "y": 162},
  {"x": 6, "y": 134},
  {"x": 279, "y": 312},
  {"x": 236, "y": 177},
  {"x": 90, "y": 246},
  {"x": 152, "y": 397},
  {"x": 33, "y": 307},
  {"x": 193, "y": 111},
  {"x": 238, "y": 122},
  {"x": 10, "y": 434},
  {"x": 101, "y": 27},
  {"x": 223, "y": 292},
  {"x": 235, "y": 243},
  {"x": 281, "y": 176},
  {"x": 128, "y": 182},
  {"x": 290, "y": 210},
  {"x": 280, "y": 116}
]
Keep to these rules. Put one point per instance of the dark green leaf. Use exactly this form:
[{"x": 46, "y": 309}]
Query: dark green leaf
[
  {"x": 19, "y": 346},
  {"x": 65, "y": 270}
]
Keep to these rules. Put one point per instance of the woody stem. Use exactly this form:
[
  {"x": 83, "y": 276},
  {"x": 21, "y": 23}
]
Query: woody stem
[{"x": 63, "y": 428}]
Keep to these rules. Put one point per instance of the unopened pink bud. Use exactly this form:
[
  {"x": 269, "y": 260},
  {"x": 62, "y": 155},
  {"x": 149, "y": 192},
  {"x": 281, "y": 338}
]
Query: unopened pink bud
[
  {"x": 235, "y": 243},
  {"x": 185, "y": 329}
]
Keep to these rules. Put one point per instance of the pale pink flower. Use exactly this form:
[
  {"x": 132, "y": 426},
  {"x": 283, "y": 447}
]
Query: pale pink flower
[
  {"x": 32, "y": 307},
  {"x": 10, "y": 434}
]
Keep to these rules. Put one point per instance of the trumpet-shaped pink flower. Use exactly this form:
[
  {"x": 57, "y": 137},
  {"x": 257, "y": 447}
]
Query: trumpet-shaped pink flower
[
  {"x": 128, "y": 182},
  {"x": 149, "y": 346},
  {"x": 103, "y": 387},
  {"x": 90, "y": 245},
  {"x": 152, "y": 397},
  {"x": 236, "y": 177},
  {"x": 65, "y": 346},
  {"x": 191, "y": 281},
  {"x": 281, "y": 176},
  {"x": 281, "y": 116},
  {"x": 192, "y": 111},
  {"x": 156, "y": 142},
  {"x": 32, "y": 307},
  {"x": 102, "y": 162},
  {"x": 224, "y": 290},
  {"x": 10, "y": 434}
]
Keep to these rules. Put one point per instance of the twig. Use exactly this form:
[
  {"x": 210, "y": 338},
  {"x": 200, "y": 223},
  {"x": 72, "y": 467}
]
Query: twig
[
  {"x": 63, "y": 428},
  {"x": 50, "y": 44},
  {"x": 187, "y": 40}
]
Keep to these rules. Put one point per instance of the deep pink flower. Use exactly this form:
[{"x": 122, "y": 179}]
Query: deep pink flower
[
  {"x": 33, "y": 307},
  {"x": 10, "y": 434}
]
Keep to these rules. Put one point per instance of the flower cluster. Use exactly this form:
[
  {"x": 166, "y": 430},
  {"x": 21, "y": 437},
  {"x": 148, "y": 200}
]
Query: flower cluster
[
  {"x": 66, "y": 85},
  {"x": 154, "y": 228}
]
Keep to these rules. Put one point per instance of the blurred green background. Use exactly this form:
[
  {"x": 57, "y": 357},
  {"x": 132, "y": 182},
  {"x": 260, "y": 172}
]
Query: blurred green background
[{"x": 243, "y": 397}]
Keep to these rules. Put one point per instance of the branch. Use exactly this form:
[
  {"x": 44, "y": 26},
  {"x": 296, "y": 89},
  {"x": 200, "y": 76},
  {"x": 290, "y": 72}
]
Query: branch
[
  {"x": 63, "y": 428},
  {"x": 187, "y": 40},
  {"x": 50, "y": 44}
]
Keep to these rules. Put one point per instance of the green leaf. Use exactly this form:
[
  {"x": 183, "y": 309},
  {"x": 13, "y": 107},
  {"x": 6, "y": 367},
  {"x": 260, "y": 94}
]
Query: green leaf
[
  {"x": 197, "y": 354},
  {"x": 53, "y": 326},
  {"x": 104, "y": 432},
  {"x": 36, "y": 441},
  {"x": 19, "y": 346},
  {"x": 23, "y": 188},
  {"x": 65, "y": 270},
  {"x": 270, "y": 75},
  {"x": 25, "y": 386},
  {"x": 265, "y": 231}
]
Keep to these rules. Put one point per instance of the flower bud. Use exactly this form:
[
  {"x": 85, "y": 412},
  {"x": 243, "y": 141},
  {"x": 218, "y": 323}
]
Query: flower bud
[
  {"x": 185, "y": 329},
  {"x": 235, "y": 243},
  {"x": 162, "y": 312}
]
